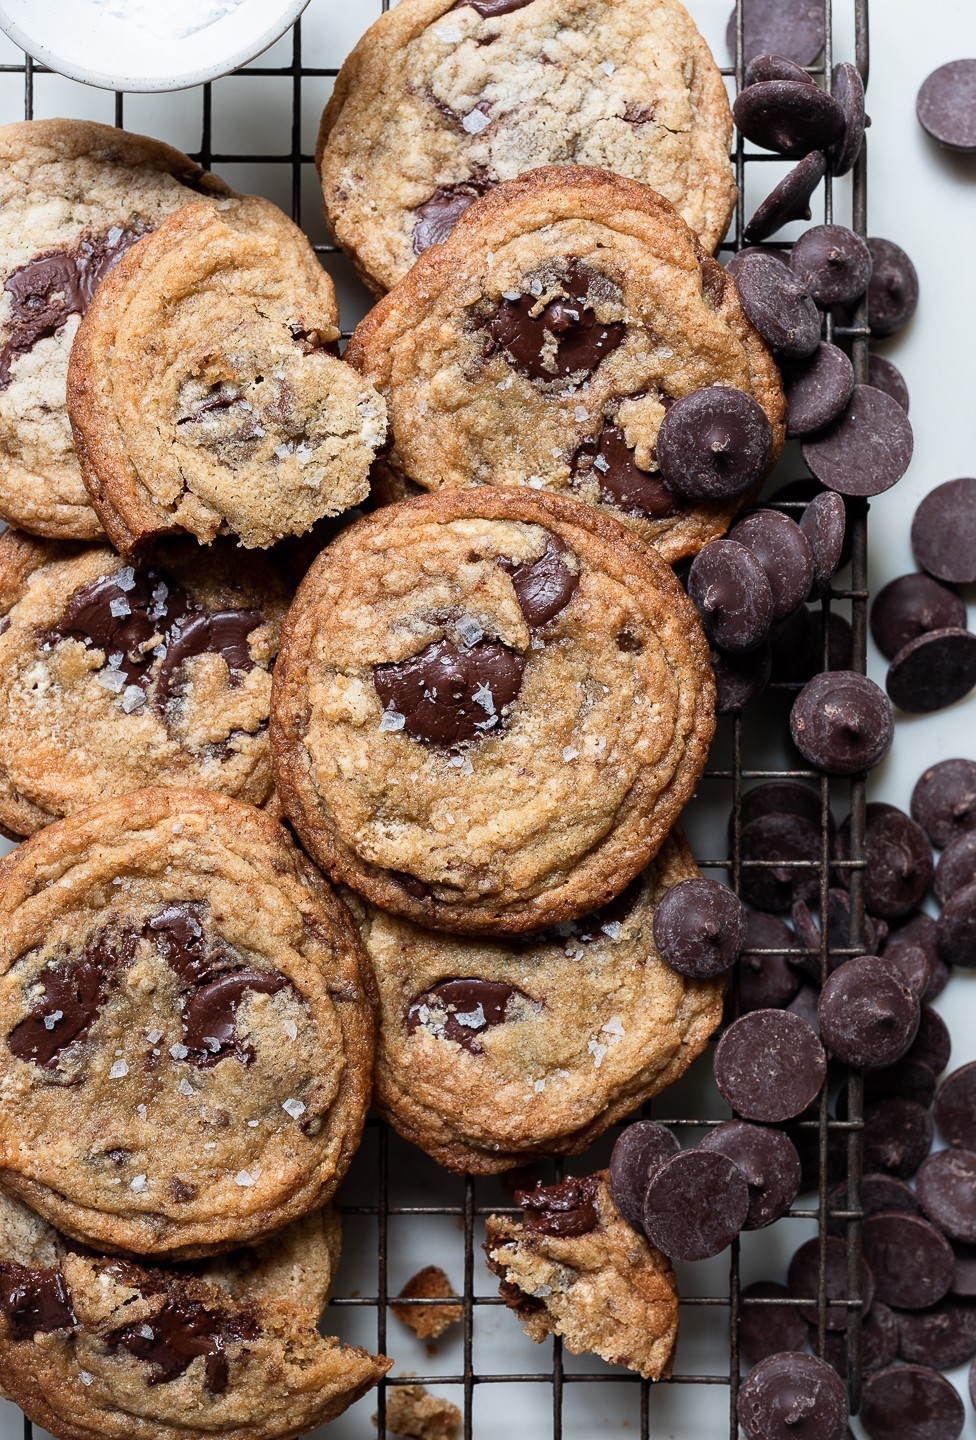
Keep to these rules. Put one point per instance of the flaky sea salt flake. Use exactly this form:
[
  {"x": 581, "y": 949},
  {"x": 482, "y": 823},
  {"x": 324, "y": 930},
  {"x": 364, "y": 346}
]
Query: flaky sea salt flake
[
  {"x": 138, "y": 1184},
  {"x": 178, "y": 1051},
  {"x": 51, "y": 1020},
  {"x": 475, "y": 121},
  {"x": 119, "y": 1069},
  {"x": 295, "y": 1108},
  {"x": 392, "y": 720}
]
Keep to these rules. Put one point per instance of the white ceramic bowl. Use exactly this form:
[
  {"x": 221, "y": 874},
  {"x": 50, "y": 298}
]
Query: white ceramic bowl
[{"x": 93, "y": 40}]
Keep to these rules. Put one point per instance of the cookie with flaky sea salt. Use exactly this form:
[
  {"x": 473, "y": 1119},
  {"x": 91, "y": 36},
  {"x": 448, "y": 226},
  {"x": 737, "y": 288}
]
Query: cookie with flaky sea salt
[
  {"x": 488, "y": 709},
  {"x": 74, "y": 196},
  {"x": 491, "y": 1054},
  {"x": 117, "y": 676},
  {"x": 235, "y": 417},
  {"x": 574, "y": 1267},
  {"x": 442, "y": 99},
  {"x": 543, "y": 343},
  {"x": 185, "y": 1040},
  {"x": 94, "y": 1348}
]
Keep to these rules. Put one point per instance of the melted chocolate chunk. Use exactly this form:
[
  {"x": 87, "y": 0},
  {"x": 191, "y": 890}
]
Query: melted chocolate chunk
[
  {"x": 566, "y": 1209},
  {"x": 469, "y": 1007},
  {"x": 224, "y": 633},
  {"x": 34, "y": 1301},
  {"x": 437, "y": 217},
  {"x": 210, "y": 1019},
  {"x": 544, "y": 587},
  {"x": 74, "y": 994},
  {"x": 621, "y": 480},
  {"x": 600, "y": 924},
  {"x": 564, "y": 338},
  {"x": 447, "y": 693},
  {"x": 177, "y": 1334},
  {"x": 488, "y": 8},
  {"x": 121, "y": 614},
  {"x": 49, "y": 289},
  {"x": 179, "y": 938}
]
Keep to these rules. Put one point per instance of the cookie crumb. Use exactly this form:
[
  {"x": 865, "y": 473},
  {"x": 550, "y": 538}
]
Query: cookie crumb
[
  {"x": 427, "y": 1321},
  {"x": 414, "y": 1414}
]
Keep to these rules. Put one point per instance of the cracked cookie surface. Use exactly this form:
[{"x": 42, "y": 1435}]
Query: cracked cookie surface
[
  {"x": 489, "y": 1055},
  {"x": 574, "y": 1267},
  {"x": 441, "y": 99},
  {"x": 186, "y": 1043},
  {"x": 114, "y": 676},
  {"x": 542, "y": 344},
  {"x": 203, "y": 391},
  {"x": 488, "y": 709},
  {"x": 74, "y": 196}
]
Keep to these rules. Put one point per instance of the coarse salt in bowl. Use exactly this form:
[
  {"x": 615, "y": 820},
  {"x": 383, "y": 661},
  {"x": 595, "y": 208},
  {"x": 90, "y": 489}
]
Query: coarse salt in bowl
[{"x": 146, "y": 44}]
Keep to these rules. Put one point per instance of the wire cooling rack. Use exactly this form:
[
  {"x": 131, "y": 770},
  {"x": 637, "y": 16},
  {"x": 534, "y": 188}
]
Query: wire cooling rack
[{"x": 400, "y": 1211}]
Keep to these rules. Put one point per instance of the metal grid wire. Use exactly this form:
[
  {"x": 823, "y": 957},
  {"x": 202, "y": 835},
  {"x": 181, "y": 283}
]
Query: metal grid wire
[{"x": 731, "y": 777}]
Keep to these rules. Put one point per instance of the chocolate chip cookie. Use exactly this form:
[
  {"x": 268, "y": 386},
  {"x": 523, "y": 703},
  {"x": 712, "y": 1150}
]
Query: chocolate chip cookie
[
  {"x": 442, "y": 99},
  {"x": 237, "y": 418},
  {"x": 116, "y": 676},
  {"x": 488, "y": 709},
  {"x": 543, "y": 344},
  {"x": 186, "y": 1043},
  {"x": 491, "y": 1054},
  {"x": 105, "y": 1349},
  {"x": 74, "y": 196},
  {"x": 574, "y": 1267}
]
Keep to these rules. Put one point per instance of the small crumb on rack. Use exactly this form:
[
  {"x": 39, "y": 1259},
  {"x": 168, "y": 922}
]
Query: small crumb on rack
[{"x": 428, "y": 1322}]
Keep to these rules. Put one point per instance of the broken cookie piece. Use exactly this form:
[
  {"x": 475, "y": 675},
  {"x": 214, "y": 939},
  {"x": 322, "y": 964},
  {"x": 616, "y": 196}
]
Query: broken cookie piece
[{"x": 428, "y": 1322}]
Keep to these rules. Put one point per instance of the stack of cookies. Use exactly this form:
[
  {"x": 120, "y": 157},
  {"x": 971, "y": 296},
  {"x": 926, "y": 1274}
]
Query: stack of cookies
[{"x": 399, "y": 832}]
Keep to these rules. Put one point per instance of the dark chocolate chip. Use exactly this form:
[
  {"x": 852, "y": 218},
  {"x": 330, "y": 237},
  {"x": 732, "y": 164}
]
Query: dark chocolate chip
[
  {"x": 912, "y": 963},
  {"x": 840, "y": 931},
  {"x": 933, "y": 1044},
  {"x": 781, "y": 797},
  {"x": 178, "y": 934},
  {"x": 622, "y": 482},
  {"x": 462, "y": 1010},
  {"x": 769, "y": 1162},
  {"x": 640, "y": 1149},
  {"x": 879, "y": 1342},
  {"x": 956, "y": 928},
  {"x": 34, "y": 1302},
  {"x": 899, "y": 861},
  {"x": 944, "y": 798},
  {"x": 733, "y": 595},
  {"x": 869, "y": 1014},
  {"x": 842, "y": 723},
  {"x": 778, "y": 304},
  {"x": 792, "y": 1394},
  {"x": 956, "y": 867},
  {"x": 564, "y": 337},
  {"x": 769, "y": 1065},
  {"x": 946, "y": 105},
  {"x": 437, "y": 217},
  {"x": 786, "y": 840},
  {"x": 910, "y": 606},
  {"x": 793, "y": 29},
  {"x": 946, "y": 1188},
  {"x": 224, "y": 633},
  {"x": 824, "y": 523},
  {"x": 568, "y": 1208},
  {"x": 818, "y": 390},
  {"x": 700, "y": 928},
  {"x": 955, "y": 1107},
  {"x": 897, "y": 1136},
  {"x": 806, "y": 1004},
  {"x": 172, "y": 1338},
  {"x": 803, "y": 1281},
  {"x": 784, "y": 553},
  {"x": 449, "y": 693},
  {"x": 740, "y": 679},
  {"x": 734, "y": 262},
  {"x": 769, "y": 1329},
  {"x": 788, "y": 116},
  {"x": 909, "y": 1402},
  {"x": 883, "y": 375},
  {"x": 544, "y": 587},
  {"x": 964, "y": 1276},
  {"x": 879, "y": 1193},
  {"x": 944, "y": 532},
  {"x": 911, "y": 1262},
  {"x": 775, "y": 67},
  {"x": 210, "y": 1018},
  {"x": 942, "y": 1337},
  {"x": 121, "y": 614},
  {"x": 834, "y": 264},
  {"x": 789, "y": 200},
  {"x": 918, "y": 931},
  {"x": 867, "y": 450},
  {"x": 714, "y": 444},
  {"x": 933, "y": 671},
  {"x": 766, "y": 982},
  {"x": 74, "y": 994},
  {"x": 908, "y": 1079},
  {"x": 847, "y": 88},
  {"x": 695, "y": 1205},
  {"x": 893, "y": 291}
]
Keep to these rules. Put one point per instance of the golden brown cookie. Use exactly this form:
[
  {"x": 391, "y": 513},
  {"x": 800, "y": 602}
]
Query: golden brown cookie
[
  {"x": 490, "y": 1054},
  {"x": 73, "y": 197},
  {"x": 185, "y": 1042},
  {"x": 488, "y": 710},
  {"x": 543, "y": 343},
  {"x": 574, "y": 1267},
  {"x": 115, "y": 676},
  {"x": 412, "y": 1413},
  {"x": 428, "y": 1322},
  {"x": 106, "y": 1349},
  {"x": 442, "y": 99},
  {"x": 237, "y": 417}
]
